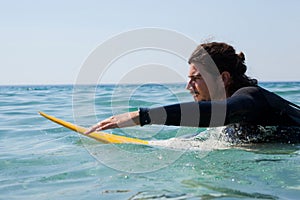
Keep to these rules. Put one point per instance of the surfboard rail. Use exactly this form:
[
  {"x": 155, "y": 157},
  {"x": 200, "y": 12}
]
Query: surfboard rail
[{"x": 99, "y": 136}]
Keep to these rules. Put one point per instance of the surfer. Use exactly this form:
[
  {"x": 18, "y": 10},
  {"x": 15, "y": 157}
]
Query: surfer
[{"x": 224, "y": 96}]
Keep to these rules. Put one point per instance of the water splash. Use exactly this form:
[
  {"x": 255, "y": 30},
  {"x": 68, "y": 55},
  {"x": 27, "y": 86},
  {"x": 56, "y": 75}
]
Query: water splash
[{"x": 207, "y": 140}]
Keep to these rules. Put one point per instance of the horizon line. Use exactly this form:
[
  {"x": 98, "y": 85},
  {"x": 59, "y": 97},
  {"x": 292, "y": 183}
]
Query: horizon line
[{"x": 95, "y": 84}]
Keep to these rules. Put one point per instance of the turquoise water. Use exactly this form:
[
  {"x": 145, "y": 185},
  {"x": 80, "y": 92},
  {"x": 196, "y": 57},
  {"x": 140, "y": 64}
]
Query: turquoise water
[{"x": 41, "y": 160}]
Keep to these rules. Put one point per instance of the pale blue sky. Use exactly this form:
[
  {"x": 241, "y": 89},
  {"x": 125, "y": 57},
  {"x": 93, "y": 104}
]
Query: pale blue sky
[{"x": 46, "y": 42}]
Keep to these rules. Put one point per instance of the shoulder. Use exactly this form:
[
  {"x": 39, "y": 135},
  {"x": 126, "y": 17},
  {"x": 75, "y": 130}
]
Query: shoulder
[
  {"x": 259, "y": 96},
  {"x": 258, "y": 92},
  {"x": 251, "y": 90},
  {"x": 253, "y": 94}
]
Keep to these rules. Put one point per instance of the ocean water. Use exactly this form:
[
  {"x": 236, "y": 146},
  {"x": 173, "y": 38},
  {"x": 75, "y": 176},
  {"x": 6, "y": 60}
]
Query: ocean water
[{"x": 41, "y": 160}]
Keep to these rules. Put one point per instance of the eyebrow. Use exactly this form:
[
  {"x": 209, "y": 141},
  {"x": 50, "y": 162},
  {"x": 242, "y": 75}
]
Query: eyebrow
[{"x": 194, "y": 76}]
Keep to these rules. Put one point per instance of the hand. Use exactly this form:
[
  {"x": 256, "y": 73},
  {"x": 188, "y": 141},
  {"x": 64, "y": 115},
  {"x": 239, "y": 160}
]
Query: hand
[{"x": 117, "y": 121}]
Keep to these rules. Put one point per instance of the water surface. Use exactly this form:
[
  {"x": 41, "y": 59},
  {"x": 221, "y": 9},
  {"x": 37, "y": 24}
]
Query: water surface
[{"x": 41, "y": 160}]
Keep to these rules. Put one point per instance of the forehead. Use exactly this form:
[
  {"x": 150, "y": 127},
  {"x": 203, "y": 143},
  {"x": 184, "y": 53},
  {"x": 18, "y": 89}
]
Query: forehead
[
  {"x": 203, "y": 70},
  {"x": 195, "y": 69}
]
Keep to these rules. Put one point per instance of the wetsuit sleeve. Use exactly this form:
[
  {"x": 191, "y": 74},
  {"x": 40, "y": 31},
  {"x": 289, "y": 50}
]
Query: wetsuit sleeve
[{"x": 246, "y": 106}]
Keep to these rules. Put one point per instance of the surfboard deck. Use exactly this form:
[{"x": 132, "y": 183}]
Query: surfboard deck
[{"x": 99, "y": 136}]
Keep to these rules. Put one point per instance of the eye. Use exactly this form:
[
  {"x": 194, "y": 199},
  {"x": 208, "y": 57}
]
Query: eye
[{"x": 196, "y": 77}]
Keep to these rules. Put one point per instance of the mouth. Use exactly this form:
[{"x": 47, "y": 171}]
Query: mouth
[{"x": 195, "y": 94}]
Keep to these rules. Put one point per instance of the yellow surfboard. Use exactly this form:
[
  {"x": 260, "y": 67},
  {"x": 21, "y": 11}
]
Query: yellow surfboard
[{"x": 99, "y": 136}]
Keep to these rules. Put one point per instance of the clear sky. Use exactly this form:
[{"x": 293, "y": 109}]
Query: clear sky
[{"x": 46, "y": 42}]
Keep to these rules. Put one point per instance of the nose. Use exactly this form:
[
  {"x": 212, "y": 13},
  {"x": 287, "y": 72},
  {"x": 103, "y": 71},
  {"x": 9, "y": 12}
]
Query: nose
[{"x": 189, "y": 85}]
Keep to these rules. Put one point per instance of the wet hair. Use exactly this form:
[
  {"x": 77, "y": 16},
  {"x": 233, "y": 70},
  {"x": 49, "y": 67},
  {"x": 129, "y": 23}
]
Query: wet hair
[{"x": 226, "y": 59}]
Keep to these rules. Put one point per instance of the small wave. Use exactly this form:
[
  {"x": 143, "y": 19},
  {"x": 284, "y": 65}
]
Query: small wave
[{"x": 205, "y": 141}]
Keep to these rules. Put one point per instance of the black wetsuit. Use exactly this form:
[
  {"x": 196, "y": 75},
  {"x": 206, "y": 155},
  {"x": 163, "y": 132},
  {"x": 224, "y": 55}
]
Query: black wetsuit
[{"x": 247, "y": 113}]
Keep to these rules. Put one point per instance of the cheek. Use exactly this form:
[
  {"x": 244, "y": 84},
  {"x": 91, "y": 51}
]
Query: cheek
[
  {"x": 204, "y": 91},
  {"x": 201, "y": 86}
]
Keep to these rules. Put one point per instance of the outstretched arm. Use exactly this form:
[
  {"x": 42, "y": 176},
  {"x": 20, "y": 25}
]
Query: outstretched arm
[
  {"x": 117, "y": 121},
  {"x": 247, "y": 106}
]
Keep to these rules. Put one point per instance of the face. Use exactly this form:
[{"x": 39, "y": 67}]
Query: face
[
  {"x": 197, "y": 85},
  {"x": 204, "y": 87}
]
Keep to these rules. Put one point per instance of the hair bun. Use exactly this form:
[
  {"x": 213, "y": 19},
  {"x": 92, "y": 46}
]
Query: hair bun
[
  {"x": 241, "y": 68},
  {"x": 241, "y": 55}
]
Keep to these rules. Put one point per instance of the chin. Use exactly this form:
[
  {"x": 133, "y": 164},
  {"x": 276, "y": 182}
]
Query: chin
[
  {"x": 199, "y": 98},
  {"x": 196, "y": 98}
]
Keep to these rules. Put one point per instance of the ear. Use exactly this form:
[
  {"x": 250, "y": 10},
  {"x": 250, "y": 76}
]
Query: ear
[{"x": 226, "y": 77}]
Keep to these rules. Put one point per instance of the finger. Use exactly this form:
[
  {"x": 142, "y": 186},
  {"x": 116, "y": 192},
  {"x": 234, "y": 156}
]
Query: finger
[
  {"x": 107, "y": 126},
  {"x": 88, "y": 131},
  {"x": 103, "y": 125},
  {"x": 95, "y": 127}
]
